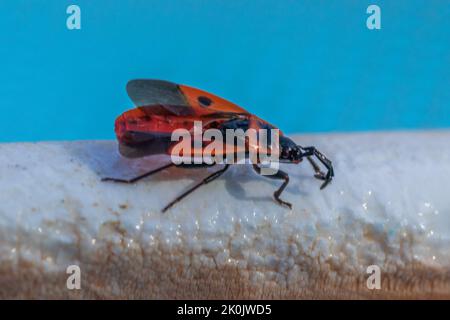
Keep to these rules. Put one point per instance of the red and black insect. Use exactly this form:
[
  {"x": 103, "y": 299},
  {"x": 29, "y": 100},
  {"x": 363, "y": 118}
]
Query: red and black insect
[{"x": 162, "y": 107}]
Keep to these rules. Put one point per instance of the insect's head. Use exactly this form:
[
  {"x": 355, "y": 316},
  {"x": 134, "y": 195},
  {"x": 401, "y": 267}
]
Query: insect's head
[{"x": 289, "y": 151}]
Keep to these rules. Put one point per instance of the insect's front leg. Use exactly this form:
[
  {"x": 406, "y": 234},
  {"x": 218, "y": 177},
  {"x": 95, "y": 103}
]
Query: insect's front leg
[
  {"x": 312, "y": 151},
  {"x": 281, "y": 175},
  {"x": 318, "y": 173}
]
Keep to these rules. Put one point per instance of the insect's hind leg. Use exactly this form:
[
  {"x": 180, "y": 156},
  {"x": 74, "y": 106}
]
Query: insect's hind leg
[
  {"x": 134, "y": 179},
  {"x": 281, "y": 175},
  {"x": 206, "y": 180}
]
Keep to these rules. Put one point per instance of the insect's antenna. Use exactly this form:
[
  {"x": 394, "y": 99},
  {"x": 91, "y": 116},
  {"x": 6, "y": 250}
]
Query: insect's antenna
[{"x": 309, "y": 152}]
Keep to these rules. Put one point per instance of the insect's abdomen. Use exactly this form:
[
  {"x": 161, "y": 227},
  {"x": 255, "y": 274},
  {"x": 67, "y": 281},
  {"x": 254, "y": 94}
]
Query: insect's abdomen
[
  {"x": 147, "y": 130},
  {"x": 141, "y": 133}
]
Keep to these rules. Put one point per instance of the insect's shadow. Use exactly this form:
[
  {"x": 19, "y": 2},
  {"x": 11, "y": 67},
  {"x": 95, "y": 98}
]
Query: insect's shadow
[
  {"x": 103, "y": 158},
  {"x": 236, "y": 180}
]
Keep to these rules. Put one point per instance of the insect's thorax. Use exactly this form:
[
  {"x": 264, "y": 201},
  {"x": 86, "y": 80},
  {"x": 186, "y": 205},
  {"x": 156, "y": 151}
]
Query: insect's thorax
[{"x": 289, "y": 151}]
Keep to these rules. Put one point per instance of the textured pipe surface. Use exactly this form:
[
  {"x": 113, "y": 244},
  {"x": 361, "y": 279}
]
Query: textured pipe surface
[{"x": 389, "y": 205}]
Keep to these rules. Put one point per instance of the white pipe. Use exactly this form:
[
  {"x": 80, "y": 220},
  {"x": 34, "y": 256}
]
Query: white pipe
[{"x": 389, "y": 206}]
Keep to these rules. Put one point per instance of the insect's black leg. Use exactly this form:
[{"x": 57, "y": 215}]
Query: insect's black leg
[
  {"x": 312, "y": 151},
  {"x": 281, "y": 175},
  {"x": 132, "y": 180},
  {"x": 208, "y": 179},
  {"x": 318, "y": 173}
]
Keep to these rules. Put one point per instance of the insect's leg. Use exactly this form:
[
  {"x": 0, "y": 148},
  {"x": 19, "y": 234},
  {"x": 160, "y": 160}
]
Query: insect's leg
[
  {"x": 281, "y": 175},
  {"x": 206, "y": 180},
  {"x": 318, "y": 173},
  {"x": 312, "y": 151},
  {"x": 134, "y": 179}
]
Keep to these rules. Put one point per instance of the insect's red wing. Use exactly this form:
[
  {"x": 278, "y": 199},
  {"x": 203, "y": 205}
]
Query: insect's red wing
[
  {"x": 180, "y": 100},
  {"x": 205, "y": 103}
]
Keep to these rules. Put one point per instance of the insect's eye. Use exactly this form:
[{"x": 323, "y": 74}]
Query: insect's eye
[{"x": 205, "y": 101}]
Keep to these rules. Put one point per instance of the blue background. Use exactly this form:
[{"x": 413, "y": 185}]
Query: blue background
[{"x": 306, "y": 66}]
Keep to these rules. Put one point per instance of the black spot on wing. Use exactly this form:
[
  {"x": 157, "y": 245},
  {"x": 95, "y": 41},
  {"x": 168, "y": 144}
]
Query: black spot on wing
[{"x": 204, "y": 101}]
